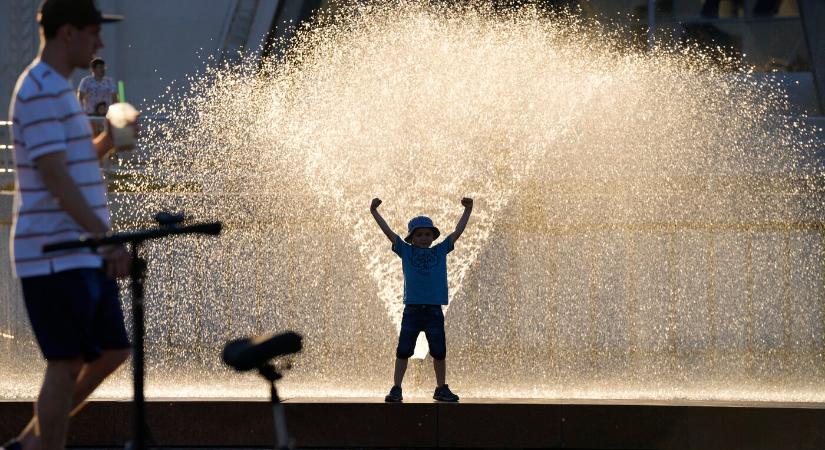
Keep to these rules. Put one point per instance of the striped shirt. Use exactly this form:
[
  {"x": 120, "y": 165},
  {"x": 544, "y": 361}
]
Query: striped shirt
[{"x": 47, "y": 118}]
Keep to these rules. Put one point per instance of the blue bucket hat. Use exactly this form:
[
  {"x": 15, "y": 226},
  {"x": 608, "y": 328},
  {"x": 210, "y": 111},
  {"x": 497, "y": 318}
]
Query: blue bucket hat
[{"x": 421, "y": 222}]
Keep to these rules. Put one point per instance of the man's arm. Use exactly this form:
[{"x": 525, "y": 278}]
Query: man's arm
[
  {"x": 104, "y": 143},
  {"x": 380, "y": 220},
  {"x": 55, "y": 174},
  {"x": 462, "y": 222}
]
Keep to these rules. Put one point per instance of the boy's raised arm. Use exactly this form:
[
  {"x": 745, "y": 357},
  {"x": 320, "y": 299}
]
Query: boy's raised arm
[
  {"x": 462, "y": 222},
  {"x": 380, "y": 220}
]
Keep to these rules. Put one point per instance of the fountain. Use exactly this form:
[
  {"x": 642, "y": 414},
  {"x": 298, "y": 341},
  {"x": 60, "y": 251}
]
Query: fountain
[{"x": 647, "y": 225}]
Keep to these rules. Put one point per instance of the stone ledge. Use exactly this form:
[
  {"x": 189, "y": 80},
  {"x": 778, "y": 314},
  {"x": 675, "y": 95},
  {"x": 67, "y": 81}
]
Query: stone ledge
[{"x": 474, "y": 423}]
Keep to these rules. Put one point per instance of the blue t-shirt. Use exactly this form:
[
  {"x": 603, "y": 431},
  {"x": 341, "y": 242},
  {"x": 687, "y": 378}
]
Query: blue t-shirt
[{"x": 425, "y": 271}]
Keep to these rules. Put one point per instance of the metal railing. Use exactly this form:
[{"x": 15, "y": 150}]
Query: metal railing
[{"x": 7, "y": 149}]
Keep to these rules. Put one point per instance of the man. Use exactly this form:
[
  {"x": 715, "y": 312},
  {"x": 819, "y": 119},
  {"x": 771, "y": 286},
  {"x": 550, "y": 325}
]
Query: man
[
  {"x": 71, "y": 297},
  {"x": 96, "y": 92},
  {"x": 96, "y": 88}
]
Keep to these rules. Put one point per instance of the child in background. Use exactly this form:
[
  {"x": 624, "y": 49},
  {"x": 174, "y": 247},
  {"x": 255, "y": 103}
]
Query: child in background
[{"x": 97, "y": 122}]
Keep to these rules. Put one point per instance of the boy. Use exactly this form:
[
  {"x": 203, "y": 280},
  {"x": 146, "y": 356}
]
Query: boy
[{"x": 425, "y": 290}]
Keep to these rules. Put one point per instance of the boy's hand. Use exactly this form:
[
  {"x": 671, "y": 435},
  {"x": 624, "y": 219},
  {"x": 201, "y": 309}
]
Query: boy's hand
[
  {"x": 462, "y": 222},
  {"x": 375, "y": 203}
]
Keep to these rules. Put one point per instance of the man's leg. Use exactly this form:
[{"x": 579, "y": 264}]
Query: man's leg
[
  {"x": 55, "y": 402},
  {"x": 90, "y": 377},
  {"x": 93, "y": 374},
  {"x": 64, "y": 324}
]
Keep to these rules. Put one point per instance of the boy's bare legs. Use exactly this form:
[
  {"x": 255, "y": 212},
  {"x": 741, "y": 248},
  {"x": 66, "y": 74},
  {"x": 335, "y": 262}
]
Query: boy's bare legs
[
  {"x": 400, "y": 370},
  {"x": 440, "y": 367},
  {"x": 89, "y": 378}
]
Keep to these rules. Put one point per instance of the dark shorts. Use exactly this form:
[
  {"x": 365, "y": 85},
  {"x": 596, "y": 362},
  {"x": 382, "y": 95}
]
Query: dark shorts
[
  {"x": 75, "y": 313},
  {"x": 418, "y": 318}
]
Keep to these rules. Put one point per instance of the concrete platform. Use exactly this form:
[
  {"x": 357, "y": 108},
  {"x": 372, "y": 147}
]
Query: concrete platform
[{"x": 473, "y": 423}]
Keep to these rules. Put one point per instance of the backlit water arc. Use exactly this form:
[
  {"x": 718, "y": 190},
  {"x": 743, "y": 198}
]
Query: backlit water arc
[{"x": 646, "y": 223}]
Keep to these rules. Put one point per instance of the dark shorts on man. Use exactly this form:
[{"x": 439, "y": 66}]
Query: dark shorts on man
[
  {"x": 418, "y": 318},
  {"x": 75, "y": 313}
]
